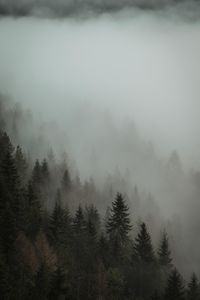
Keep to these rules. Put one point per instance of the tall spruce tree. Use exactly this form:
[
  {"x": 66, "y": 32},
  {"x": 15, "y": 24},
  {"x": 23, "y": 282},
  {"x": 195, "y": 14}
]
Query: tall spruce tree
[
  {"x": 175, "y": 287},
  {"x": 143, "y": 249},
  {"x": 164, "y": 253},
  {"x": 193, "y": 292},
  {"x": 21, "y": 164},
  {"x": 60, "y": 224},
  {"x": 119, "y": 225}
]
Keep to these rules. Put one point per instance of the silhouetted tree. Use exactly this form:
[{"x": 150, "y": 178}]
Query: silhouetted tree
[
  {"x": 143, "y": 249},
  {"x": 193, "y": 292},
  {"x": 175, "y": 287},
  {"x": 164, "y": 253},
  {"x": 118, "y": 225}
]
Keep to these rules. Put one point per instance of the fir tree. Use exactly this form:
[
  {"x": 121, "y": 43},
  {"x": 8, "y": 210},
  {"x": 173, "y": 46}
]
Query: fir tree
[
  {"x": 21, "y": 163},
  {"x": 66, "y": 181},
  {"x": 175, "y": 288},
  {"x": 45, "y": 171},
  {"x": 164, "y": 253},
  {"x": 41, "y": 287},
  {"x": 118, "y": 224},
  {"x": 34, "y": 211},
  {"x": 58, "y": 285},
  {"x": 79, "y": 221},
  {"x": 60, "y": 223},
  {"x": 143, "y": 249},
  {"x": 5, "y": 145},
  {"x": 193, "y": 292}
]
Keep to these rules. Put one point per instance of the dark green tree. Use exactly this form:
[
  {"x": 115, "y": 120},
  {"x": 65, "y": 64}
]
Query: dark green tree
[
  {"x": 175, "y": 287},
  {"x": 42, "y": 283},
  {"x": 79, "y": 221},
  {"x": 60, "y": 224},
  {"x": 21, "y": 163},
  {"x": 66, "y": 183},
  {"x": 118, "y": 225},
  {"x": 143, "y": 249},
  {"x": 34, "y": 211},
  {"x": 45, "y": 172},
  {"x": 164, "y": 253},
  {"x": 58, "y": 285},
  {"x": 193, "y": 292}
]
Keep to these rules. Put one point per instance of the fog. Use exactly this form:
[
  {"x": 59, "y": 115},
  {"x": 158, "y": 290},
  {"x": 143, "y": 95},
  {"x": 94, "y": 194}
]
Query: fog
[{"x": 117, "y": 91}]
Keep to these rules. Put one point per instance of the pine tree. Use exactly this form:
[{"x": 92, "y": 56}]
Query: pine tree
[
  {"x": 41, "y": 283},
  {"x": 66, "y": 181},
  {"x": 34, "y": 211},
  {"x": 143, "y": 249},
  {"x": 58, "y": 285},
  {"x": 118, "y": 224},
  {"x": 5, "y": 145},
  {"x": 60, "y": 223},
  {"x": 37, "y": 174},
  {"x": 175, "y": 288},
  {"x": 103, "y": 249},
  {"x": 164, "y": 253},
  {"x": 21, "y": 163},
  {"x": 79, "y": 221},
  {"x": 45, "y": 171},
  {"x": 193, "y": 292}
]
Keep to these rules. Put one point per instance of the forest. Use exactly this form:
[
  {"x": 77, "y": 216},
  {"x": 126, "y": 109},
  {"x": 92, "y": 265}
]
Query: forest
[
  {"x": 56, "y": 245},
  {"x": 99, "y": 150}
]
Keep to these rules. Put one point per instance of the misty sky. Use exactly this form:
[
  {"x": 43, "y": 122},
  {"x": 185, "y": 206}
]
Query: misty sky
[{"x": 136, "y": 66}]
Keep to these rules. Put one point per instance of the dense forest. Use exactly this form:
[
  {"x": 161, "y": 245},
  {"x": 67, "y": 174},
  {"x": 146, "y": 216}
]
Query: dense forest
[{"x": 54, "y": 244}]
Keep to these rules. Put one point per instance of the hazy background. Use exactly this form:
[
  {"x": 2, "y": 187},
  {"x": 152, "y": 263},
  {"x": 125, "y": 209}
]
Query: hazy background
[{"x": 119, "y": 92}]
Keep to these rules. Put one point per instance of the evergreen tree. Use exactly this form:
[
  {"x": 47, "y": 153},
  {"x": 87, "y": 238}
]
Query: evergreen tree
[
  {"x": 37, "y": 174},
  {"x": 66, "y": 181},
  {"x": 79, "y": 220},
  {"x": 193, "y": 292},
  {"x": 164, "y": 253},
  {"x": 175, "y": 288},
  {"x": 58, "y": 285},
  {"x": 103, "y": 249},
  {"x": 42, "y": 279},
  {"x": 60, "y": 224},
  {"x": 118, "y": 225},
  {"x": 45, "y": 171},
  {"x": 34, "y": 211},
  {"x": 143, "y": 249},
  {"x": 5, "y": 145},
  {"x": 21, "y": 163}
]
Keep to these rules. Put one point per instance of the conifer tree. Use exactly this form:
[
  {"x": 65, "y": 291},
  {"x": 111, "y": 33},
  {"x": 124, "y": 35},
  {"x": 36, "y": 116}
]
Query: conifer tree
[
  {"x": 193, "y": 292},
  {"x": 164, "y": 253},
  {"x": 79, "y": 220},
  {"x": 58, "y": 284},
  {"x": 34, "y": 211},
  {"x": 41, "y": 287},
  {"x": 60, "y": 223},
  {"x": 175, "y": 287},
  {"x": 5, "y": 145},
  {"x": 118, "y": 224},
  {"x": 66, "y": 181},
  {"x": 143, "y": 249},
  {"x": 21, "y": 163},
  {"x": 37, "y": 174},
  {"x": 45, "y": 171}
]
